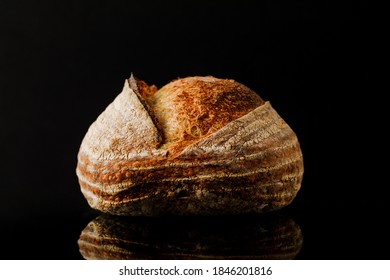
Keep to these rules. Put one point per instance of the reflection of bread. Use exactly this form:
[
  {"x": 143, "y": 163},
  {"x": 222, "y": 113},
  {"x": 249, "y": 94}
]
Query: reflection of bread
[
  {"x": 199, "y": 145},
  {"x": 109, "y": 237}
]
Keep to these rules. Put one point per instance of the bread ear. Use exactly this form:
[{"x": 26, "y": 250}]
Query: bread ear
[{"x": 126, "y": 129}]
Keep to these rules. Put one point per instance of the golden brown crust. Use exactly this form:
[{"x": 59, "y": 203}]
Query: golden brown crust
[{"x": 194, "y": 107}]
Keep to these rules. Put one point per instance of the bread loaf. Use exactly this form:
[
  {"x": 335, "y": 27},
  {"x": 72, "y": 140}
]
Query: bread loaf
[{"x": 197, "y": 146}]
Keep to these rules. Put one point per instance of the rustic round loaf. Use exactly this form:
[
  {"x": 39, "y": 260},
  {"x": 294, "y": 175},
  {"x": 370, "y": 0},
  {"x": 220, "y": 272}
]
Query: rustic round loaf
[{"x": 197, "y": 146}]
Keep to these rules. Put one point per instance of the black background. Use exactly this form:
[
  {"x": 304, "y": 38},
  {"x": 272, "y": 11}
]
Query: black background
[{"x": 62, "y": 63}]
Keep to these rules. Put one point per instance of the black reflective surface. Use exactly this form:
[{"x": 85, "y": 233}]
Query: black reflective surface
[
  {"x": 62, "y": 64},
  {"x": 219, "y": 237}
]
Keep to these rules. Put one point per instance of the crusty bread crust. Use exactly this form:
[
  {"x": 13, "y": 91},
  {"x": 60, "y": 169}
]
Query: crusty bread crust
[{"x": 192, "y": 108}]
